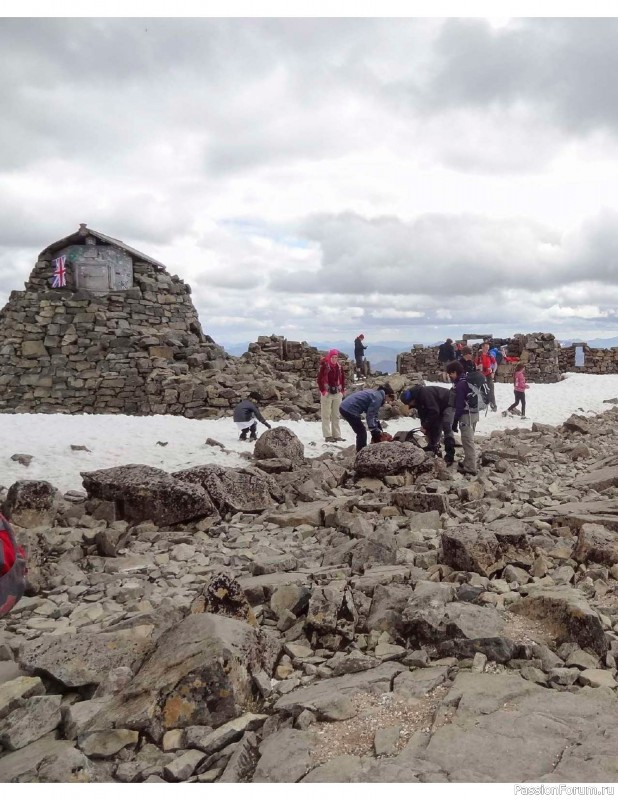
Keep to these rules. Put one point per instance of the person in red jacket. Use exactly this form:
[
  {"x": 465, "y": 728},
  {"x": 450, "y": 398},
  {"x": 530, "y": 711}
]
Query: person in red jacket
[
  {"x": 12, "y": 568},
  {"x": 487, "y": 365},
  {"x": 331, "y": 383}
]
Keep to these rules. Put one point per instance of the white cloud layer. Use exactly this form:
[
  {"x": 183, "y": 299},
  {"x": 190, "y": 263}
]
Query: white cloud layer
[{"x": 317, "y": 177}]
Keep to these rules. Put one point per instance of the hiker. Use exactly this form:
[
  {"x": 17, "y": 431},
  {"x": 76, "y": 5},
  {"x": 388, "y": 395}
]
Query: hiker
[
  {"x": 331, "y": 383},
  {"x": 465, "y": 418},
  {"x": 466, "y": 359},
  {"x": 520, "y": 386},
  {"x": 487, "y": 364},
  {"x": 247, "y": 415},
  {"x": 359, "y": 353},
  {"x": 12, "y": 568},
  {"x": 436, "y": 412},
  {"x": 368, "y": 402},
  {"x": 446, "y": 354}
]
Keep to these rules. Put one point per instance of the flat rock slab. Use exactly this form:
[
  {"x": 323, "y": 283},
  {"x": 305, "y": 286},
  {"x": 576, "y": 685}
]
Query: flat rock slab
[
  {"x": 598, "y": 480},
  {"x": 303, "y": 514},
  {"x": 506, "y": 729},
  {"x": 23, "y": 764},
  {"x": 85, "y": 658},
  {"x": 311, "y": 696},
  {"x": 285, "y": 757}
]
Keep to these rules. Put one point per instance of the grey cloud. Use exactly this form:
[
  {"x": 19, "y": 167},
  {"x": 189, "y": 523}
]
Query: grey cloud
[
  {"x": 430, "y": 255},
  {"x": 564, "y": 67}
]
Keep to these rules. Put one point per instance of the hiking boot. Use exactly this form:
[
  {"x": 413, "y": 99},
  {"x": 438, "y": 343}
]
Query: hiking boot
[
  {"x": 329, "y": 439},
  {"x": 465, "y": 471},
  {"x": 449, "y": 460},
  {"x": 243, "y": 436},
  {"x": 253, "y": 437},
  {"x": 494, "y": 408}
]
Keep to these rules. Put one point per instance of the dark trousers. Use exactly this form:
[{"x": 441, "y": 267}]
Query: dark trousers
[
  {"x": 519, "y": 397},
  {"x": 443, "y": 427},
  {"x": 492, "y": 392},
  {"x": 252, "y": 430},
  {"x": 357, "y": 426}
]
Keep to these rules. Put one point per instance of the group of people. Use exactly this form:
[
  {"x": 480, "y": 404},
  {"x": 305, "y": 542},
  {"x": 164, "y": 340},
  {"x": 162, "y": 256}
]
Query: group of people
[
  {"x": 486, "y": 362},
  {"x": 442, "y": 411}
]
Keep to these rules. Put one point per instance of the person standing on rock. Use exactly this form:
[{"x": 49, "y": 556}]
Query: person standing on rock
[
  {"x": 446, "y": 354},
  {"x": 331, "y": 383},
  {"x": 464, "y": 418},
  {"x": 359, "y": 354},
  {"x": 247, "y": 415},
  {"x": 368, "y": 402},
  {"x": 436, "y": 412}
]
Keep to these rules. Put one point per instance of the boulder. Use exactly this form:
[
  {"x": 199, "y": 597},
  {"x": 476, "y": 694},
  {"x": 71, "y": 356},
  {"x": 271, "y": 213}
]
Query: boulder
[
  {"x": 198, "y": 674},
  {"x": 410, "y": 498},
  {"x": 470, "y": 549},
  {"x": 36, "y": 717},
  {"x": 81, "y": 659},
  {"x": 391, "y": 458},
  {"x": 145, "y": 493},
  {"x": 282, "y": 443},
  {"x": 230, "y": 489},
  {"x": 568, "y": 613},
  {"x": 386, "y": 608},
  {"x": 31, "y": 504},
  {"x": 596, "y": 544}
]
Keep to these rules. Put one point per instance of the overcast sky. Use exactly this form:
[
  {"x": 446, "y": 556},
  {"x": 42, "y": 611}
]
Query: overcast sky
[{"x": 407, "y": 178}]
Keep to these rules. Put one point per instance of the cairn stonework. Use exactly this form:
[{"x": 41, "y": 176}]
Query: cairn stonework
[{"x": 118, "y": 334}]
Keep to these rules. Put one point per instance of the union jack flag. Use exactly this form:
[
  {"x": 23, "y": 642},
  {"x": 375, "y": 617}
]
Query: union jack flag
[{"x": 60, "y": 274}]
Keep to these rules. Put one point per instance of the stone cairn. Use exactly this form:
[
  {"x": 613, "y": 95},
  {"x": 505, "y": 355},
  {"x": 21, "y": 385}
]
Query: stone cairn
[
  {"x": 539, "y": 351},
  {"x": 122, "y": 336}
]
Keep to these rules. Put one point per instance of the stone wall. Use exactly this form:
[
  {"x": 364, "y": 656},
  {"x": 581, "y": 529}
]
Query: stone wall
[
  {"x": 539, "y": 351},
  {"x": 597, "y": 360}
]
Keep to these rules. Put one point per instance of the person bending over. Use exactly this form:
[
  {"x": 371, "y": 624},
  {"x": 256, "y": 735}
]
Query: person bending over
[
  {"x": 247, "y": 415},
  {"x": 436, "y": 412},
  {"x": 368, "y": 402}
]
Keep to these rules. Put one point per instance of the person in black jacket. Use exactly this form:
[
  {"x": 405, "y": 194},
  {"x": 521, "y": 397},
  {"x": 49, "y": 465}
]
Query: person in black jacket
[
  {"x": 359, "y": 353},
  {"x": 466, "y": 359},
  {"x": 247, "y": 415},
  {"x": 435, "y": 408},
  {"x": 446, "y": 353}
]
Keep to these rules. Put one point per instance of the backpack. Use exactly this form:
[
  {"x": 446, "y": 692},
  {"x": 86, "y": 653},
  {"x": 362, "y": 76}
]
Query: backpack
[
  {"x": 498, "y": 355},
  {"x": 12, "y": 582},
  {"x": 479, "y": 396}
]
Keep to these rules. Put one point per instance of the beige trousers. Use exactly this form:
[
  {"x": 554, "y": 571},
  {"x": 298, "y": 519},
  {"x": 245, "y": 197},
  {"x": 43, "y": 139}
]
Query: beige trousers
[
  {"x": 329, "y": 410},
  {"x": 467, "y": 425}
]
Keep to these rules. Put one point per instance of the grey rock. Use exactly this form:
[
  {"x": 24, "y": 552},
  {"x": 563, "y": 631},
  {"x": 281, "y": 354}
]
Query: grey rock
[
  {"x": 31, "y": 504},
  {"x": 391, "y": 458},
  {"x": 183, "y": 766},
  {"x": 147, "y": 493},
  {"x": 198, "y": 674},
  {"x": 85, "y": 658},
  {"x": 37, "y": 717},
  {"x": 280, "y": 442},
  {"x": 284, "y": 757},
  {"x": 103, "y": 744}
]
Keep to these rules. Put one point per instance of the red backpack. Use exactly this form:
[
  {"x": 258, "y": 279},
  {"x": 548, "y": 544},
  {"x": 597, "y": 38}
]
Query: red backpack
[{"x": 12, "y": 568}]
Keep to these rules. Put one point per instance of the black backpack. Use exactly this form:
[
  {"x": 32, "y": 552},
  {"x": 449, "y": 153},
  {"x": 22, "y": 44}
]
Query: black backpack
[{"x": 479, "y": 396}]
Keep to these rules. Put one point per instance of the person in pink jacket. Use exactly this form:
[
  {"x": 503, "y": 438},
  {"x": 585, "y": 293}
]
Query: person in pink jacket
[{"x": 520, "y": 386}]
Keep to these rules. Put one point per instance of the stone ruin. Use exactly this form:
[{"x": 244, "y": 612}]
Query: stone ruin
[
  {"x": 594, "y": 360},
  {"x": 540, "y": 352},
  {"x": 115, "y": 333}
]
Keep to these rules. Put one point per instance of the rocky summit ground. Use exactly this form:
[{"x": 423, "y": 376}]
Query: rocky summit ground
[{"x": 348, "y": 618}]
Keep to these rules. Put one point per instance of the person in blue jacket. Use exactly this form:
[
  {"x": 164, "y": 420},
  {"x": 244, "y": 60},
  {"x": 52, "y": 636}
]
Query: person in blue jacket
[{"x": 368, "y": 402}]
